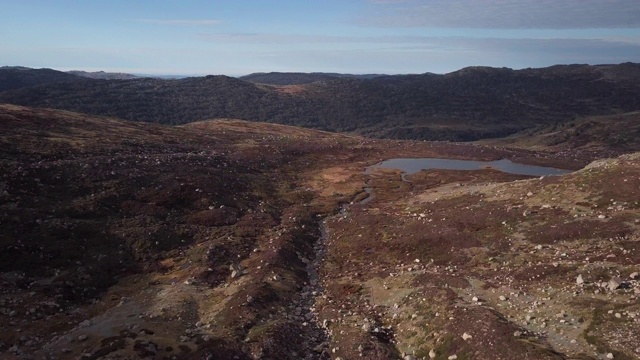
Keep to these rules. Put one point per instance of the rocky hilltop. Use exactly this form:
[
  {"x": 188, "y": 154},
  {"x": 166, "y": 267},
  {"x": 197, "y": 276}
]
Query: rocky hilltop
[{"x": 227, "y": 239}]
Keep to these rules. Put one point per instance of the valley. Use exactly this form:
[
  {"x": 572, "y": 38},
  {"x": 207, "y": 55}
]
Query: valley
[{"x": 229, "y": 239}]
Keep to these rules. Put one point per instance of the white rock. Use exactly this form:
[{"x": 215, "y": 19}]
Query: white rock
[
  {"x": 614, "y": 283},
  {"x": 409, "y": 357},
  {"x": 466, "y": 336},
  {"x": 85, "y": 323},
  {"x": 634, "y": 275},
  {"x": 452, "y": 357},
  {"x": 609, "y": 356},
  {"x": 502, "y": 298},
  {"x": 432, "y": 354},
  {"x": 579, "y": 280}
]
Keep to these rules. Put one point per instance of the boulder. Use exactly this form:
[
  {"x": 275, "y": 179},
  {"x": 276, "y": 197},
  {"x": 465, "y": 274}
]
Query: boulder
[{"x": 614, "y": 283}]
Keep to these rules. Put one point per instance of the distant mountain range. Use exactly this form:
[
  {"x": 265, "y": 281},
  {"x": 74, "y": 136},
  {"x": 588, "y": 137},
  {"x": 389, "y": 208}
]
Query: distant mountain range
[
  {"x": 469, "y": 104},
  {"x": 102, "y": 75},
  {"x": 294, "y": 78}
]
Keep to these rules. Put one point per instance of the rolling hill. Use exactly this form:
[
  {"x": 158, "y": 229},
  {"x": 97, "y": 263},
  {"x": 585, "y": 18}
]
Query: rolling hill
[{"x": 598, "y": 136}]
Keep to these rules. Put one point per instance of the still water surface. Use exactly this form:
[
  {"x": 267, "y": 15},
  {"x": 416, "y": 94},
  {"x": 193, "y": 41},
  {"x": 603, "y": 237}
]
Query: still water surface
[{"x": 411, "y": 166}]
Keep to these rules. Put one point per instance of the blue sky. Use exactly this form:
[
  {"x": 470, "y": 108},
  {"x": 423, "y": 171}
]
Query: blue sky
[{"x": 238, "y": 37}]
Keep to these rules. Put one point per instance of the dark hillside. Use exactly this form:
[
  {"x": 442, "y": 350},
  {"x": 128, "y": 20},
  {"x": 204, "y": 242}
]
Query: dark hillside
[
  {"x": 469, "y": 104},
  {"x": 278, "y": 78},
  {"x": 16, "y": 77}
]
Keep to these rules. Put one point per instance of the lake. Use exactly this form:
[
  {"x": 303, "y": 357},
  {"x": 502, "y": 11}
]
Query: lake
[{"x": 411, "y": 166}]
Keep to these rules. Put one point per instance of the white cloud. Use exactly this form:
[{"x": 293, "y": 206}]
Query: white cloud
[
  {"x": 429, "y": 53},
  {"x": 181, "y": 22},
  {"x": 506, "y": 14}
]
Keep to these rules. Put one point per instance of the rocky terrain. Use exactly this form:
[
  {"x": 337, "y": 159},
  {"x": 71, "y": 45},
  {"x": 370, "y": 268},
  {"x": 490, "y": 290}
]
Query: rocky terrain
[
  {"x": 466, "y": 105},
  {"x": 227, "y": 239}
]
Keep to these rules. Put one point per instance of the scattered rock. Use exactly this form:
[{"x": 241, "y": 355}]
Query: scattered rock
[
  {"x": 502, "y": 298},
  {"x": 409, "y": 357},
  {"x": 579, "y": 280},
  {"x": 432, "y": 354},
  {"x": 236, "y": 270},
  {"x": 452, "y": 357},
  {"x": 634, "y": 275},
  {"x": 466, "y": 336},
  {"x": 82, "y": 337},
  {"x": 609, "y": 356}
]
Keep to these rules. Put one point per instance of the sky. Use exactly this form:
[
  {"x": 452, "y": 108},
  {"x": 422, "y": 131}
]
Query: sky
[{"x": 237, "y": 37}]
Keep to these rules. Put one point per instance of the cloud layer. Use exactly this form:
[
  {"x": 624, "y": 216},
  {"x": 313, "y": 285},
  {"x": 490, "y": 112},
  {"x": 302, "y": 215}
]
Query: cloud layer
[
  {"x": 506, "y": 14},
  {"x": 181, "y": 22}
]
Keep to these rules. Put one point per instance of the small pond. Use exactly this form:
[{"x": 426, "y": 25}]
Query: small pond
[{"x": 411, "y": 166}]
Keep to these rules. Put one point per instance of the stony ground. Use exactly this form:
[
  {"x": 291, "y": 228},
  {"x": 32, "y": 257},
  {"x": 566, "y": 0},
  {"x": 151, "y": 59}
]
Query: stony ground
[
  {"x": 236, "y": 240},
  {"x": 483, "y": 265}
]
